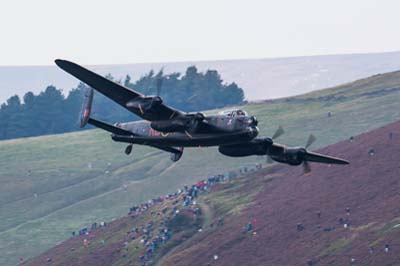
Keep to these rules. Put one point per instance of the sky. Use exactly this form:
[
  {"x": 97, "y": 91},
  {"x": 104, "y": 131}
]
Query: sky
[{"x": 130, "y": 31}]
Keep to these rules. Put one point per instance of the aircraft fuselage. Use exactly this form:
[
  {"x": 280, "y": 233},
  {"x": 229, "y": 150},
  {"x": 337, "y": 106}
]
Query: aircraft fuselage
[{"x": 214, "y": 131}]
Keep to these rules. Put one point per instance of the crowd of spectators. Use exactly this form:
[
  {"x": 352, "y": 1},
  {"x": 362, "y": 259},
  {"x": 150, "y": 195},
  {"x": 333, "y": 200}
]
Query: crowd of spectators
[{"x": 151, "y": 236}]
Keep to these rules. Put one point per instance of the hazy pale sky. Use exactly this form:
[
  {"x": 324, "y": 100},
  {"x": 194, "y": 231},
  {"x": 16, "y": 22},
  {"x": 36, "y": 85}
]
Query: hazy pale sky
[{"x": 113, "y": 32}]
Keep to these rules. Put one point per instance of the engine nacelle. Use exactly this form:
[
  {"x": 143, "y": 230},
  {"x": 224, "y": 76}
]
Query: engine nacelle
[
  {"x": 145, "y": 104},
  {"x": 292, "y": 156},
  {"x": 255, "y": 147}
]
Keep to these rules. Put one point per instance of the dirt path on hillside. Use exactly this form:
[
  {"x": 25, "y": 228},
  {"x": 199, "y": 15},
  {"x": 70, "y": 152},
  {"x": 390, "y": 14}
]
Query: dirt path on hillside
[{"x": 207, "y": 214}]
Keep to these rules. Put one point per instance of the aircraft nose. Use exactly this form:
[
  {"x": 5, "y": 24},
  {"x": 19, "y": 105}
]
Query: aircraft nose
[{"x": 252, "y": 131}]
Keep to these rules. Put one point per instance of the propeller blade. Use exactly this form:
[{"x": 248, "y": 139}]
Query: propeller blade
[
  {"x": 310, "y": 141},
  {"x": 159, "y": 81},
  {"x": 306, "y": 167},
  {"x": 279, "y": 132},
  {"x": 159, "y": 85}
]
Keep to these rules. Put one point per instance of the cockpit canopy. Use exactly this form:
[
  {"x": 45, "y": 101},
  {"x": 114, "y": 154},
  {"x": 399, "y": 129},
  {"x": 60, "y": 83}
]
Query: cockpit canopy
[{"x": 233, "y": 113}]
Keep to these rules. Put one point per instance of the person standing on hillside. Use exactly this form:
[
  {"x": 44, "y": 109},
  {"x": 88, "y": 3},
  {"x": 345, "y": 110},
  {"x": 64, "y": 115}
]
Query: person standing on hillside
[
  {"x": 220, "y": 222},
  {"x": 300, "y": 227},
  {"x": 371, "y": 250},
  {"x": 249, "y": 226}
]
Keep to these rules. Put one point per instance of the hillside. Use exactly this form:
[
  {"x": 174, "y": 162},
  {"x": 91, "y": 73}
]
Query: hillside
[
  {"x": 54, "y": 185},
  {"x": 260, "y": 78},
  {"x": 276, "y": 201},
  {"x": 368, "y": 187}
]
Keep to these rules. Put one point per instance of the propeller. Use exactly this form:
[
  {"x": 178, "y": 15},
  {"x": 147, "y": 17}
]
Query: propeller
[
  {"x": 159, "y": 85},
  {"x": 279, "y": 132},
  {"x": 269, "y": 160},
  {"x": 159, "y": 81},
  {"x": 306, "y": 167},
  {"x": 306, "y": 164},
  {"x": 156, "y": 100},
  {"x": 310, "y": 141}
]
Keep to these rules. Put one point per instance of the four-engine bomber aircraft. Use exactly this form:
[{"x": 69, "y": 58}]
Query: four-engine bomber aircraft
[{"x": 171, "y": 130}]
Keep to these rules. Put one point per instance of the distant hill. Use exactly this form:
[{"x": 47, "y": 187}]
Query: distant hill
[
  {"x": 295, "y": 219},
  {"x": 259, "y": 78},
  {"x": 53, "y": 185}
]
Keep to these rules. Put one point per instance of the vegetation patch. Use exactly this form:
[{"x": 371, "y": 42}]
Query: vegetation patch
[
  {"x": 234, "y": 197},
  {"x": 336, "y": 247},
  {"x": 387, "y": 228}
]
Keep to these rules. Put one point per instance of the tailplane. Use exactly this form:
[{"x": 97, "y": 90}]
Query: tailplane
[{"x": 110, "y": 128}]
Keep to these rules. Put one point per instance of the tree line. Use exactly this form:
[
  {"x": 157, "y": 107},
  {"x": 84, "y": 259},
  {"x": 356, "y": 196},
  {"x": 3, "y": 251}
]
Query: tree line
[{"x": 50, "y": 112}]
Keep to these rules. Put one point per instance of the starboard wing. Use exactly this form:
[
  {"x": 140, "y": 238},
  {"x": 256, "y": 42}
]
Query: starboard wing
[{"x": 118, "y": 93}]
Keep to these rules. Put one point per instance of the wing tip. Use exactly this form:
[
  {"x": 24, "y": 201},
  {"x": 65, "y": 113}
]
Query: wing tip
[
  {"x": 344, "y": 162},
  {"x": 341, "y": 161},
  {"x": 62, "y": 63},
  {"x": 322, "y": 158}
]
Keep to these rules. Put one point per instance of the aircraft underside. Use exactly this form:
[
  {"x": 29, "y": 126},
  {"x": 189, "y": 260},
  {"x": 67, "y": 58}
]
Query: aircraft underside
[{"x": 188, "y": 140}]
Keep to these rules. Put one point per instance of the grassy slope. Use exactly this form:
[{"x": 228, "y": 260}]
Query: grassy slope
[
  {"x": 276, "y": 198},
  {"x": 70, "y": 194}
]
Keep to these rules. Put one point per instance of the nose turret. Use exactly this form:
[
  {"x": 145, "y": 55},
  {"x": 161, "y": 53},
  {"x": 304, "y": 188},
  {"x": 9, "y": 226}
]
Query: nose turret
[
  {"x": 252, "y": 131},
  {"x": 252, "y": 121}
]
